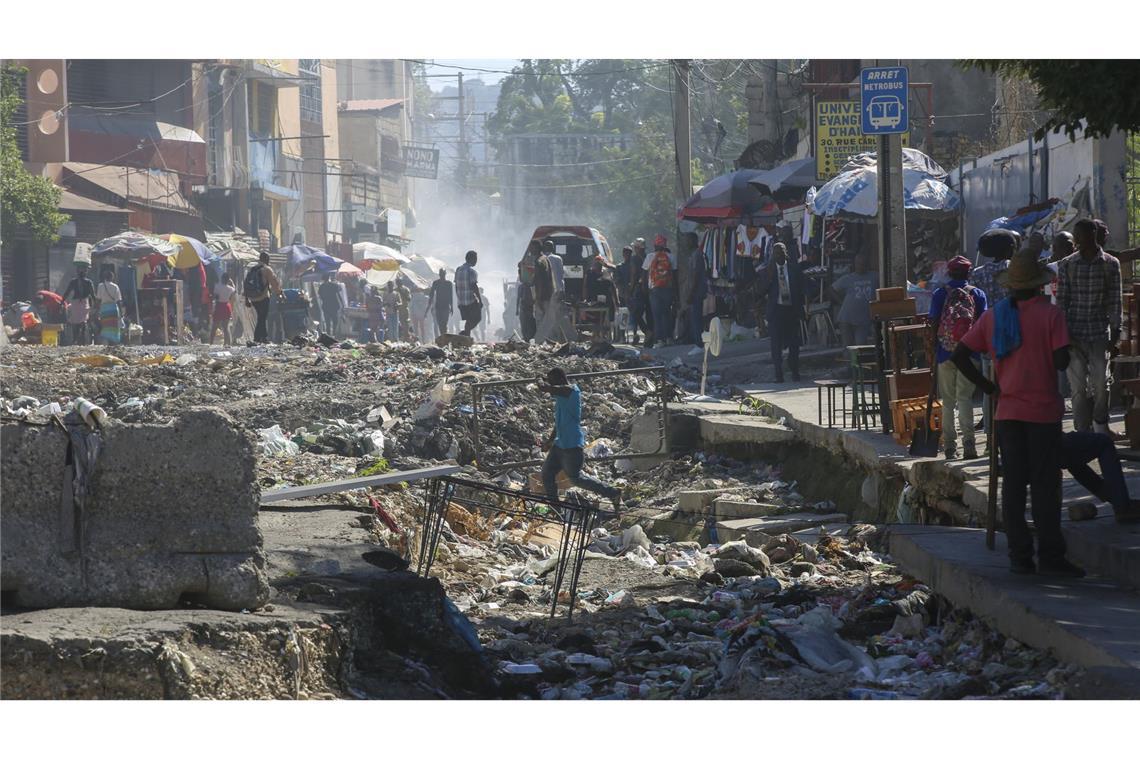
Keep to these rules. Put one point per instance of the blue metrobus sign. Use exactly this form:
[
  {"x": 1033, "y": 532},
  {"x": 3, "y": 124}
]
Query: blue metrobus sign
[{"x": 884, "y": 100}]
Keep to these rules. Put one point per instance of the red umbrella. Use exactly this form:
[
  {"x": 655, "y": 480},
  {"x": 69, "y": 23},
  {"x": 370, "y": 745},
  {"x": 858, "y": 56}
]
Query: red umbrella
[{"x": 348, "y": 272}]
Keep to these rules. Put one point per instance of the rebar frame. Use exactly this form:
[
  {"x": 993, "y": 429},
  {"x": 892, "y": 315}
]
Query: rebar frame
[{"x": 576, "y": 518}]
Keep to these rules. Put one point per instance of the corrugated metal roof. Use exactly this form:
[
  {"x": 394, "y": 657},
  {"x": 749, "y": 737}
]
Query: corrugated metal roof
[
  {"x": 69, "y": 201},
  {"x": 369, "y": 105},
  {"x": 146, "y": 187}
]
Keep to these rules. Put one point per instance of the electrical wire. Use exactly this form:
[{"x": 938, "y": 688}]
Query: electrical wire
[{"x": 515, "y": 72}]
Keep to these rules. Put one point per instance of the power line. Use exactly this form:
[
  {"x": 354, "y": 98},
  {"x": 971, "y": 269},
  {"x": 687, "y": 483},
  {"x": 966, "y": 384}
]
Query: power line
[{"x": 516, "y": 72}]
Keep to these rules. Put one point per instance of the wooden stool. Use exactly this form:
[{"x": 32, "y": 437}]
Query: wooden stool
[{"x": 831, "y": 386}]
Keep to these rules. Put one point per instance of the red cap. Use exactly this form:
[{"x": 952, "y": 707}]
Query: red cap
[
  {"x": 959, "y": 264},
  {"x": 659, "y": 241}
]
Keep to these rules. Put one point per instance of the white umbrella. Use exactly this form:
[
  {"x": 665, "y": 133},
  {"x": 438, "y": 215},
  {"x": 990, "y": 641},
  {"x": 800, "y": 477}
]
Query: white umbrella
[
  {"x": 857, "y": 192},
  {"x": 377, "y": 252}
]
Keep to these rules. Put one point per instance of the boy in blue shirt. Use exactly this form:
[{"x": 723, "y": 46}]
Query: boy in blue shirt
[{"x": 567, "y": 440}]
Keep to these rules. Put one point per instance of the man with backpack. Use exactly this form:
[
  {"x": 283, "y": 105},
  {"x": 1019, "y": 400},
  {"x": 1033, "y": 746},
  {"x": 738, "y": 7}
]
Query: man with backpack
[
  {"x": 660, "y": 268},
  {"x": 259, "y": 281},
  {"x": 954, "y": 309}
]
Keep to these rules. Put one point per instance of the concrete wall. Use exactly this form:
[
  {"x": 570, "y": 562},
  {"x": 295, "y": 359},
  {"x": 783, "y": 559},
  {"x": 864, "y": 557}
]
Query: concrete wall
[{"x": 172, "y": 511}]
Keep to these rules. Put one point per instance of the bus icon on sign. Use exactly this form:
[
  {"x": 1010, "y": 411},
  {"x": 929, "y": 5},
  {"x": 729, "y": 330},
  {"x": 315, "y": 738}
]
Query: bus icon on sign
[{"x": 885, "y": 111}]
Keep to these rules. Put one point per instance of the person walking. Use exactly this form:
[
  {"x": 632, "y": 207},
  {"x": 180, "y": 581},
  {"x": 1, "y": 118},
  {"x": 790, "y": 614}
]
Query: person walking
[
  {"x": 79, "y": 295},
  {"x": 660, "y": 268},
  {"x": 1088, "y": 292},
  {"x": 404, "y": 309},
  {"x": 997, "y": 246},
  {"x": 261, "y": 282},
  {"x": 783, "y": 282},
  {"x": 954, "y": 309},
  {"x": 391, "y": 312},
  {"x": 374, "y": 304},
  {"x": 698, "y": 292},
  {"x": 224, "y": 295},
  {"x": 1028, "y": 340},
  {"x": 110, "y": 308},
  {"x": 556, "y": 323},
  {"x": 330, "y": 298},
  {"x": 566, "y": 441},
  {"x": 1077, "y": 450},
  {"x": 467, "y": 293},
  {"x": 858, "y": 290},
  {"x": 639, "y": 318},
  {"x": 525, "y": 300},
  {"x": 441, "y": 299}
]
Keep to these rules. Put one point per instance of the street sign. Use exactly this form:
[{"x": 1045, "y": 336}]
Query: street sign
[
  {"x": 884, "y": 100},
  {"x": 421, "y": 162}
]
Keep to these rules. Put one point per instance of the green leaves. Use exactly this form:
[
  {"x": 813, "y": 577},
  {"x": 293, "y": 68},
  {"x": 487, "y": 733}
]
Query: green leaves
[
  {"x": 1100, "y": 92},
  {"x": 27, "y": 202}
]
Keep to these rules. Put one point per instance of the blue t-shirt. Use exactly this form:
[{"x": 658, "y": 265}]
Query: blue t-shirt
[{"x": 568, "y": 420}]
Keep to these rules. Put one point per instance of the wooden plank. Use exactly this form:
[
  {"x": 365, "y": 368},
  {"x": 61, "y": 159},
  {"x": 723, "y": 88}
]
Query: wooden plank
[{"x": 336, "y": 486}]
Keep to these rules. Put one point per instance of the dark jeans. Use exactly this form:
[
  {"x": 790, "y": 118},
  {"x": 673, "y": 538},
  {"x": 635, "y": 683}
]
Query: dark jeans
[
  {"x": 784, "y": 333},
  {"x": 1031, "y": 459},
  {"x": 570, "y": 462},
  {"x": 261, "y": 330},
  {"x": 1078, "y": 449},
  {"x": 637, "y": 320},
  {"x": 441, "y": 318},
  {"x": 528, "y": 326},
  {"x": 696, "y": 320},
  {"x": 661, "y": 301},
  {"x": 472, "y": 315}
]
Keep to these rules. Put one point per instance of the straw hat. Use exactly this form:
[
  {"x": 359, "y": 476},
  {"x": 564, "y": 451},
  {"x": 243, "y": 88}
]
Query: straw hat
[{"x": 1025, "y": 272}]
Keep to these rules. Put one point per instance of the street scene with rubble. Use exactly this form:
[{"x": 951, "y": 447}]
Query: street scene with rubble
[{"x": 350, "y": 403}]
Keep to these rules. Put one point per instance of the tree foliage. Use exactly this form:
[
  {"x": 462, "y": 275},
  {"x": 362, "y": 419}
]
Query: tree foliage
[
  {"x": 1101, "y": 93},
  {"x": 627, "y": 191},
  {"x": 27, "y": 202}
]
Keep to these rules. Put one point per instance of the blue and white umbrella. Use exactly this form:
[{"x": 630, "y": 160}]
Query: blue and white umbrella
[{"x": 856, "y": 190}]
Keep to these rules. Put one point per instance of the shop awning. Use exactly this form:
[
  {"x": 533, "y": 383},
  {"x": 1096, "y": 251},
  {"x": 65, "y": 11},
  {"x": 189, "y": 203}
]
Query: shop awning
[{"x": 145, "y": 187}]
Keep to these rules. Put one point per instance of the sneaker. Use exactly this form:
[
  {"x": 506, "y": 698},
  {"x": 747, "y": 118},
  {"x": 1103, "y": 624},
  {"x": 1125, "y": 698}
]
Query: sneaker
[
  {"x": 1060, "y": 568},
  {"x": 1022, "y": 567},
  {"x": 1129, "y": 515},
  {"x": 970, "y": 452}
]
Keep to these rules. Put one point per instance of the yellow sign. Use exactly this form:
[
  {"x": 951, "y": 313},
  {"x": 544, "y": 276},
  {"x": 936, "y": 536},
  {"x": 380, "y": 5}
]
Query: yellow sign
[{"x": 839, "y": 136}]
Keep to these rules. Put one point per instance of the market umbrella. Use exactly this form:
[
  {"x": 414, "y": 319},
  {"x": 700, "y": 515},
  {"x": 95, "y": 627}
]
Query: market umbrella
[
  {"x": 133, "y": 245},
  {"x": 1029, "y": 216},
  {"x": 303, "y": 257},
  {"x": 855, "y": 190},
  {"x": 191, "y": 252},
  {"x": 426, "y": 266},
  {"x": 379, "y": 256},
  {"x": 348, "y": 272},
  {"x": 729, "y": 196},
  {"x": 797, "y": 175}
]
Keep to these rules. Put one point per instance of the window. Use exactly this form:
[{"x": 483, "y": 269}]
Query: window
[{"x": 310, "y": 69}]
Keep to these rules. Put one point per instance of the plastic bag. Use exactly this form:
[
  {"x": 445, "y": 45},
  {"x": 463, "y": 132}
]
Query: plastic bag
[
  {"x": 436, "y": 401},
  {"x": 274, "y": 443}
]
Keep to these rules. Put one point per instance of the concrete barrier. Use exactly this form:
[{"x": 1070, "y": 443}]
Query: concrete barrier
[{"x": 171, "y": 514}]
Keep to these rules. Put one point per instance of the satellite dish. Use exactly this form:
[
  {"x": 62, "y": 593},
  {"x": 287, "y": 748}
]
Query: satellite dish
[{"x": 712, "y": 340}]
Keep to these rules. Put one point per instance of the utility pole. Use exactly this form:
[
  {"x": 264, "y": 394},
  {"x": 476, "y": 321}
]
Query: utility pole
[
  {"x": 463, "y": 153},
  {"x": 682, "y": 137}
]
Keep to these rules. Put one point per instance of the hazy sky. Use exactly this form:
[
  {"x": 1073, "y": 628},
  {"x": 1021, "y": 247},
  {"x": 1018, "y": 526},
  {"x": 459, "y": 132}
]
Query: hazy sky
[{"x": 437, "y": 83}]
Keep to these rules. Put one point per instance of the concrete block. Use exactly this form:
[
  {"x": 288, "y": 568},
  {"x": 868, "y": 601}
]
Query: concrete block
[
  {"x": 699, "y": 502},
  {"x": 172, "y": 511},
  {"x": 727, "y": 429},
  {"x": 728, "y": 508},
  {"x": 732, "y": 530}
]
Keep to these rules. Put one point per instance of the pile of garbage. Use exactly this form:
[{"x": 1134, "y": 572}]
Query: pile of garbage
[
  {"x": 832, "y": 618},
  {"x": 324, "y": 399}
]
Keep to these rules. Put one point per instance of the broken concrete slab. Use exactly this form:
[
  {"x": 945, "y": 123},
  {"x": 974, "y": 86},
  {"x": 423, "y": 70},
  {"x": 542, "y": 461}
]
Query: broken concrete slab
[
  {"x": 700, "y": 502},
  {"x": 1089, "y": 622},
  {"x": 729, "y": 429},
  {"x": 732, "y": 530},
  {"x": 171, "y": 514},
  {"x": 728, "y": 508}
]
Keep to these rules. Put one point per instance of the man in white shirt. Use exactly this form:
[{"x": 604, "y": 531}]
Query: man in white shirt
[{"x": 556, "y": 323}]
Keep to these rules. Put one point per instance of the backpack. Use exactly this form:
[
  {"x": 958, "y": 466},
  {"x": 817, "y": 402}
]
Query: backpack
[
  {"x": 957, "y": 316},
  {"x": 660, "y": 271},
  {"x": 254, "y": 284}
]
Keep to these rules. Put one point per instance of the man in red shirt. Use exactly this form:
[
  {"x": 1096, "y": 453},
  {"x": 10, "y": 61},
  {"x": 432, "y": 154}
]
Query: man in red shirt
[{"x": 1029, "y": 342}]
